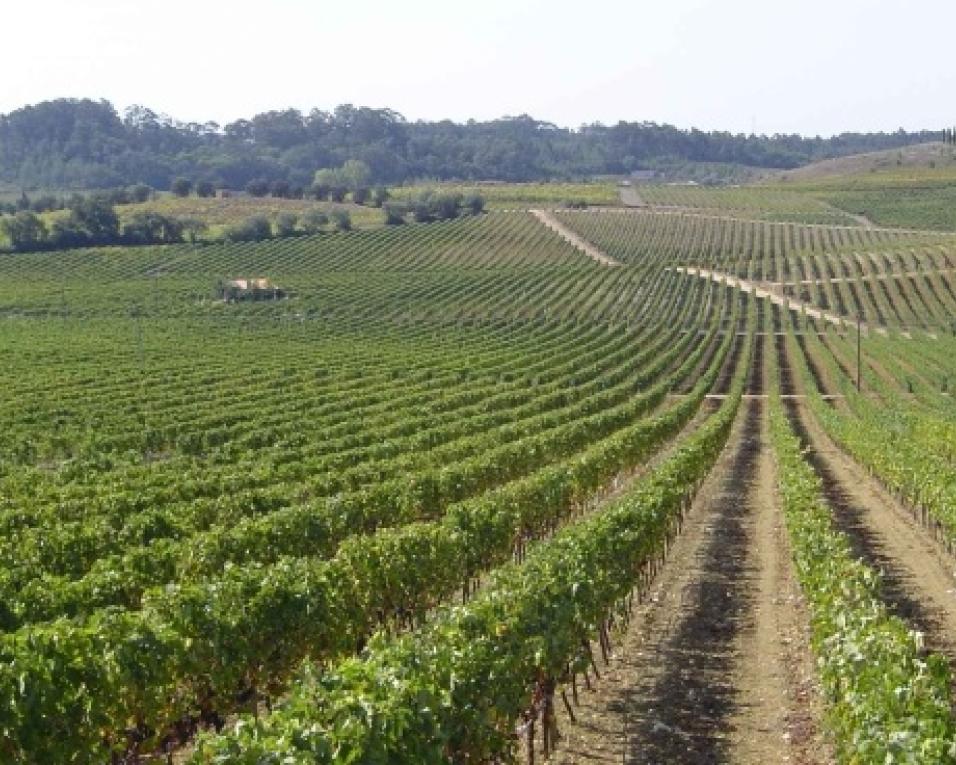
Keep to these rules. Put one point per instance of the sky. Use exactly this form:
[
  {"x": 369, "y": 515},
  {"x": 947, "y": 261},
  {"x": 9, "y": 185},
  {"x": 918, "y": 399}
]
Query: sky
[{"x": 816, "y": 67}]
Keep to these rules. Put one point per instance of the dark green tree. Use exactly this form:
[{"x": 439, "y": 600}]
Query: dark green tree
[{"x": 181, "y": 187}]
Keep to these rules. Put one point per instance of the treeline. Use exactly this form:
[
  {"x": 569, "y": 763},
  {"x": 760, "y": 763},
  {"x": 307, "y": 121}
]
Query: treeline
[
  {"x": 46, "y": 202},
  {"x": 93, "y": 221},
  {"x": 86, "y": 144}
]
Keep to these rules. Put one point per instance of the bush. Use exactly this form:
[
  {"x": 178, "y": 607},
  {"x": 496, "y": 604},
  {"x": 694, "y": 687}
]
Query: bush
[{"x": 205, "y": 189}]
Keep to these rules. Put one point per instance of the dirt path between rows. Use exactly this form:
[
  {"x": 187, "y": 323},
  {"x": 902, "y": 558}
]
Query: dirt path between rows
[
  {"x": 775, "y": 297},
  {"x": 574, "y": 239},
  {"x": 630, "y": 197},
  {"x": 715, "y": 666}
]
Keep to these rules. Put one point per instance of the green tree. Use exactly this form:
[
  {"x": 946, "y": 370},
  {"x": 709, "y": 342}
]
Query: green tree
[
  {"x": 342, "y": 220},
  {"x": 314, "y": 220},
  {"x": 286, "y": 224},
  {"x": 474, "y": 203},
  {"x": 205, "y": 189},
  {"x": 152, "y": 228},
  {"x": 254, "y": 229},
  {"x": 24, "y": 230},
  {"x": 140, "y": 193},
  {"x": 257, "y": 188},
  {"x": 193, "y": 228},
  {"x": 379, "y": 196},
  {"x": 96, "y": 218},
  {"x": 355, "y": 174},
  {"x": 181, "y": 187},
  {"x": 394, "y": 214}
]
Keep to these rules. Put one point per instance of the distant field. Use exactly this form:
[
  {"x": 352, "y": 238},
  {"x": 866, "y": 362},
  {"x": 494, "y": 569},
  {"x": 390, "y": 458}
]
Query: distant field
[
  {"x": 524, "y": 195},
  {"x": 764, "y": 203},
  {"x": 221, "y": 213}
]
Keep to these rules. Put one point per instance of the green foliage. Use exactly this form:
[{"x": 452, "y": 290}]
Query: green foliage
[
  {"x": 181, "y": 187},
  {"x": 71, "y": 143},
  {"x": 25, "y": 231},
  {"x": 888, "y": 702},
  {"x": 314, "y": 220},
  {"x": 254, "y": 229}
]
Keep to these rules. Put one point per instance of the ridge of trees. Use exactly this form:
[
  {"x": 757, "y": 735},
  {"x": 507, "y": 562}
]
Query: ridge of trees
[{"x": 83, "y": 143}]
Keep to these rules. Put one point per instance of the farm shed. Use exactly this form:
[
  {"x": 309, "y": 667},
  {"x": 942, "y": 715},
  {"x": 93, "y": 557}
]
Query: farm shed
[{"x": 234, "y": 290}]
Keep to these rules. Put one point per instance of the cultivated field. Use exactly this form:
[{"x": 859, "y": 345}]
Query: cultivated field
[{"x": 599, "y": 486}]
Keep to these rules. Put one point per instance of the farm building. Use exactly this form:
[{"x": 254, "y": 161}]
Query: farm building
[{"x": 234, "y": 290}]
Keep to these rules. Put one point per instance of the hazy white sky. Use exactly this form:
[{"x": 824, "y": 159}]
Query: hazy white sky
[{"x": 817, "y": 66}]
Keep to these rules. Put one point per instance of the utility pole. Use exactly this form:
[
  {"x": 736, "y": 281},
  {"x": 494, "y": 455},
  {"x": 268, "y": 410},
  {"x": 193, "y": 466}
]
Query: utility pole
[{"x": 859, "y": 356}]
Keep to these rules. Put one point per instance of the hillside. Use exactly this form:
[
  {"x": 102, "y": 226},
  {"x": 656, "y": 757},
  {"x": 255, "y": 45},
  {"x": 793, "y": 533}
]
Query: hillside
[
  {"x": 86, "y": 144},
  {"x": 929, "y": 156}
]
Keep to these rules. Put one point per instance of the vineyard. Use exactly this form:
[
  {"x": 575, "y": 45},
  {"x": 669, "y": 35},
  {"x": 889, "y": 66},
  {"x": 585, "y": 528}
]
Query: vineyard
[{"x": 670, "y": 483}]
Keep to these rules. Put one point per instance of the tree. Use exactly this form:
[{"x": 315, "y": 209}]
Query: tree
[
  {"x": 253, "y": 229},
  {"x": 446, "y": 206},
  {"x": 140, "y": 192},
  {"x": 257, "y": 188},
  {"x": 205, "y": 189},
  {"x": 96, "y": 219},
  {"x": 379, "y": 196},
  {"x": 355, "y": 174},
  {"x": 280, "y": 189},
  {"x": 474, "y": 203},
  {"x": 327, "y": 177},
  {"x": 286, "y": 224},
  {"x": 24, "y": 230},
  {"x": 342, "y": 219},
  {"x": 193, "y": 229},
  {"x": 181, "y": 187},
  {"x": 360, "y": 195},
  {"x": 152, "y": 228},
  {"x": 394, "y": 214},
  {"x": 314, "y": 220}
]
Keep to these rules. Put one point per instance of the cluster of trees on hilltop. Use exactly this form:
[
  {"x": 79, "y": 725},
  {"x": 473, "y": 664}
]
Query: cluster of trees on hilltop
[{"x": 86, "y": 144}]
